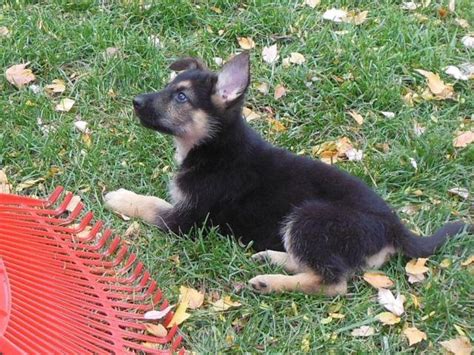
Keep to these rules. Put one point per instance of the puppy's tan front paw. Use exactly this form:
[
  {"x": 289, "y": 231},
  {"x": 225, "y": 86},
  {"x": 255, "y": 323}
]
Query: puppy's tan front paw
[
  {"x": 120, "y": 201},
  {"x": 260, "y": 284}
]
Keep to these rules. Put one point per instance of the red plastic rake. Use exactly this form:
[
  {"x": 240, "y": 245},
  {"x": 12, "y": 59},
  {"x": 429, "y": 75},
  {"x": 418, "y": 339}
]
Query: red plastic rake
[{"x": 72, "y": 288}]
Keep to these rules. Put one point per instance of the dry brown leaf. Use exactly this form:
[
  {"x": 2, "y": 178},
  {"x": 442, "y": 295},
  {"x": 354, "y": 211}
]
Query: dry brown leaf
[
  {"x": 356, "y": 18},
  {"x": 249, "y": 114},
  {"x": 64, "y": 105},
  {"x": 27, "y": 184},
  {"x": 416, "y": 266},
  {"x": 56, "y": 87},
  {"x": 387, "y": 299},
  {"x": 132, "y": 231},
  {"x": 364, "y": 331},
  {"x": 270, "y": 54},
  {"x": 156, "y": 330},
  {"x": 264, "y": 88},
  {"x": 86, "y": 138},
  {"x": 462, "y": 22},
  {"x": 154, "y": 346},
  {"x": 463, "y": 139},
  {"x": 224, "y": 304},
  {"x": 297, "y": 58},
  {"x": 5, "y": 187},
  {"x": 378, "y": 279},
  {"x": 458, "y": 346},
  {"x": 4, "y": 31},
  {"x": 468, "y": 41},
  {"x": 437, "y": 86},
  {"x": 246, "y": 43},
  {"x": 414, "y": 335},
  {"x": 335, "y": 15},
  {"x": 19, "y": 76},
  {"x": 388, "y": 318},
  {"x": 280, "y": 91},
  {"x": 356, "y": 116},
  {"x": 193, "y": 297},
  {"x": 468, "y": 261},
  {"x": 312, "y": 3},
  {"x": 459, "y": 191},
  {"x": 81, "y": 126},
  {"x": 464, "y": 71},
  {"x": 276, "y": 125}
]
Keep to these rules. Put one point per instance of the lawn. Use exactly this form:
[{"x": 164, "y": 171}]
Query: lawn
[{"x": 367, "y": 68}]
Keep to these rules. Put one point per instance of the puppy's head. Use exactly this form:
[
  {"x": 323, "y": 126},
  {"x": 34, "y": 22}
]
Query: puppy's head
[{"x": 198, "y": 102}]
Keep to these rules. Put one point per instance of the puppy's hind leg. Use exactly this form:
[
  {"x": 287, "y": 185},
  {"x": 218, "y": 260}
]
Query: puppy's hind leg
[
  {"x": 278, "y": 258},
  {"x": 148, "y": 208}
]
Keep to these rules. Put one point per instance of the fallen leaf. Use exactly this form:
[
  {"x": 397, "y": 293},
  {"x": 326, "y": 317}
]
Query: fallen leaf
[
  {"x": 280, "y": 91},
  {"x": 459, "y": 330},
  {"x": 416, "y": 278},
  {"x": 336, "y": 315},
  {"x": 468, "y": 261},
  {"x": 356, "y": 18},
  {"x": 132, "y": 231},
  {"x": 388, "y": 318},
  {"x": 111, "y": 52},
  {"x": 409, "y": 209},
  {"x": 86, "y": 138},
  {"x": 463, "y": 139},
  {"x": 378, "y": 279},
  {"x": 354, "y": 154},
  {"x": 414, "y": 335},
  {"x": 71, "y": 206},
  {"x": 445, "y": 263},
  {"x": 180, "y": 316},
  {"x": 356, "y": 116},
  {"x": 452, "y": 5},
  {"x": 326, "y": 320},
  {"x": 193, "y": 297},
  {"x": 4, "y": 31},
  {"x": 27, "y": 184},
  {"x": 270, "y": 54},
  {"x": 437, "y": 86},
  {"x": 276, "y": 125},
  {"x": 249, "y": 114},
  {"x": 409, "y": 5},
  {"x": 155, "y": 41},
  {"x": 5, "y": 187},
  {"x": 312, "y": 3},
  {"x": 413, "y": 163},
  {"x": 415, "y": 301},
  {"x": 416, "y": 266},
  {"x": 297, "y": 58},
  {"x": 468, "y": 41},
  {"x": 155, "y": 315},
  {"x": 19, "y": 76},
  {"x": 465, "y": 71},
  {"x": 81, "y": 126},
  {"x": 156, "y": 330},
  {"x": 264, "y": 88},
  {"x": 246, "y": 43},
  {"x": 218, "y": 60},
  {"x": 154, "y": 346},
  {"x": 56, "y": 87},
  {"x": 335, "y": 15},
  {"x": 458, "y": 346},
  {"x": 443, "y": 12},
  {"x": 462, "y": 23},
  {"x": 388, "y": 300},
  {"x": 224, "y": 304},
  {"x": 459, "y": 191},
  {"x": 418, "y": 129},
  {"x": 65, "y": 105},
  {"x": 364, "y": 331},
  {"x": 216, "y": 9},
  {"x": 388, "y": 114}
]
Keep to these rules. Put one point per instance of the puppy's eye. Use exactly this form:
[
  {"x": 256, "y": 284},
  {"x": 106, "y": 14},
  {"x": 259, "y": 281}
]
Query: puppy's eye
[{"x": 181, "y": 97}]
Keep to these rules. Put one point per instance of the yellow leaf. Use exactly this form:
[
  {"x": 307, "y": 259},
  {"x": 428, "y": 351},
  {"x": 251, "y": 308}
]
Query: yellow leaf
[
  {"x": 356, "y": 116},
  {"x": 468, "y": 261},
  {"x": 458, "y": 346},
  {"x": 246, "y": 42},
  {"x": 216, "y": 10},
  {"x": 460, "y": 331},
  {"x": 194, "y": 297},
  {"x": 180, "y": 316},
  {"x": 414, "y": 335},
  {"x": 297, "y": 58},
  {"x": 5, "y": 187},
  {"x": 415, "y": 300},
  {"x": 445, "y": 263},
  {"x": 337, "y": 315},
  {"x": 156, "y": 330},
  {"x": 19, "y": 76},
  {"x": 280, "y": 91},
  {"x": 224, "y": 304},
  {"x": 56, "y": 87},
  {"x": 27, "y": 184},
  {"x": 378, "y": 279},
  {"x": 326, "y": 320},
  {"x": 276, "y": 125},
  {"x": 388, "y": 318},
  {"x": 65, "y": 105},
  {"x": 86, "y": 139},
  {"x": 249, "y": 114},
  {"x": 356, "y": 19},
  {"x": 416, "y": 266},
  {"x": 463, "y": 139},
  {"x": 437, "y": 86}
]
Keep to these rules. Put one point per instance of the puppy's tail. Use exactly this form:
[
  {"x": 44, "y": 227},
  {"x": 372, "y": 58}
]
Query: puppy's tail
[{"x": 415, "y": 246}]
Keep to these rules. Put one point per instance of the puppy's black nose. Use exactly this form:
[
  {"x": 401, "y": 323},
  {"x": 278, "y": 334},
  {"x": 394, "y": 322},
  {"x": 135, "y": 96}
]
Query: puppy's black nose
[{"x": 138, "y": 101}]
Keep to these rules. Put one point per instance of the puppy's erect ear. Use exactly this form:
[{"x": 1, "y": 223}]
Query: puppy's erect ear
[
  {"x": 188, "y": 64},
  {"x": 234, "y": 78}
]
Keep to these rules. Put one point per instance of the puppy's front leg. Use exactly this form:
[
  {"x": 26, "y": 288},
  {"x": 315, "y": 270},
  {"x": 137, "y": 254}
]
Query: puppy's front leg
[{"x": 148, "y": 208}]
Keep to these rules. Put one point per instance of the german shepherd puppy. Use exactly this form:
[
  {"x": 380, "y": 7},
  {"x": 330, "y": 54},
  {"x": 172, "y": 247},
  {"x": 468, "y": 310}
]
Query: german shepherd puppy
[{"x": 316, "y": 221}]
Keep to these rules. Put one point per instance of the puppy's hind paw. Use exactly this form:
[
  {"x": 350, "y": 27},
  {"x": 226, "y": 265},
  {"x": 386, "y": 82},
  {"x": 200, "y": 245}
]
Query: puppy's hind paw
[{"x": 260, "y": 284}]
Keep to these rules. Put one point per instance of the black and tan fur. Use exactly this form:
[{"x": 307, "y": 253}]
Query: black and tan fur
[{"x": 316, "y": 221}]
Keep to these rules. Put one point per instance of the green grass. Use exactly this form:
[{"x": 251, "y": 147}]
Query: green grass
[{"x": 378, "y": 58}]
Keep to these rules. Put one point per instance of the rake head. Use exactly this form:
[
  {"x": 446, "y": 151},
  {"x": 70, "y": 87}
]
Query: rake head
[{"x": 72, "y": 287}]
